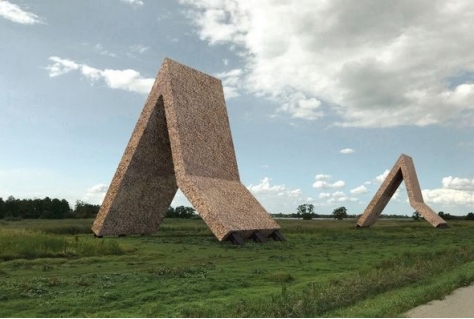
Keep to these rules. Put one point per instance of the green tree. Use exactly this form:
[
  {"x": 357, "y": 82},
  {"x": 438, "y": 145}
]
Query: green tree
[
  {"x": 11, "y": 207},
  {"x": 470, "y": 216},
  {"x": 445, "y": 216},
  {"x": 170, "y": 212},
  {"x": 59, "y": 208},
  {"x": 417, "y": 216},
  {"x": 339, "y": 213},
  {"x": 184, "y": 212},
  {"x": 85, "y": 210},
  {"x": 180, "y": 212},
  {"x": 2, "y": 208},
  {"x": 306, "y": 211}
]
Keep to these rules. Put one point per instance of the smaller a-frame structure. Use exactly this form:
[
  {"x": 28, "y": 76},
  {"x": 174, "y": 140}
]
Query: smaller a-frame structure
[{"x": 404, "y": 169}]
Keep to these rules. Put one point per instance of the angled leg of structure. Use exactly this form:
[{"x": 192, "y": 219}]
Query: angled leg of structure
[
  {"x": 403, "y": 169},
  {"x": 381, "y": 198},
  {"x": 145, "y": 183}
]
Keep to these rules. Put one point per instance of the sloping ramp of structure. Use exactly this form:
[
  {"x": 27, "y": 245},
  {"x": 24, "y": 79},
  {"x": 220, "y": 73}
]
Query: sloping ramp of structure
[
  {"x": 404, "y": 169},
  {"x": 182, "y": 139}
]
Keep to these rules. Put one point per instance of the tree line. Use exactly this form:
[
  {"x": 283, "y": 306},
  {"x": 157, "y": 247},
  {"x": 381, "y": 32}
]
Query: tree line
[
  {"x": 46, "y": 208},
  {"x": 16, "y": 209},
  {"x": 446, "y": 216},
  {"x": 181, "y": 212},
  {"x": 306, "y": 212}
]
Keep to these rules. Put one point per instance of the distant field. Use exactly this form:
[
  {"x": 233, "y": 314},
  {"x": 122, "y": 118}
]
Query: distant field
[{"x": 325, "y": 268}]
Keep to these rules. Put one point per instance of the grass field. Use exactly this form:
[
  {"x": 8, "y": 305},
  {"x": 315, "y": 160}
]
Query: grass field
[{"x": 325, "y": 268}]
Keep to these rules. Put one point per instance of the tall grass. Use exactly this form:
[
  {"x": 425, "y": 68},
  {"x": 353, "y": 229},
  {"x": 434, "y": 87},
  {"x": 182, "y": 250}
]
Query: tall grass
[
  {"x": 325, "y": 268},
  {"x": 29, "y": 244},
  {"x": 317, "y": 300},
  {"x": 52, "y": 226}
]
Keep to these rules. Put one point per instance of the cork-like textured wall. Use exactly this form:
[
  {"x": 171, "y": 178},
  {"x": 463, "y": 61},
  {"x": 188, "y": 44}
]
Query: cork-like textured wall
[
  {"x": 182, "y": 139},
  {"x": 404, "y": 169}
]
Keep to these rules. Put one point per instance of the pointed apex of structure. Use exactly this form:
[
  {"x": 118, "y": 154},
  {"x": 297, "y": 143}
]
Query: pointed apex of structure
[
  {"x": 168, "y": 60},
  {"x": 404, "y": 157},
  {"x": 404, "y": 169}
]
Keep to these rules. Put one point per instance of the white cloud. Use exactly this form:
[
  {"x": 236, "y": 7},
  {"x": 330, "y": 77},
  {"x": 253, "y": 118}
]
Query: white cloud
[
  {"x": 264, "y": 187},
  {"x": 458, "y": 183},
  {"x": 340, "y": 197},
  {"x": 454, "y": 191},
  {"x": 302, "y": 107},
  {"x": 277, "y": 198},
  {"x": 133, "y": 2},
  {"x": 381, "y": 178},
  {"x": 99, "y": 188},
  {"x": 100, "y": 49},
  {"x": 359, "y": 190},
  {"x": 338, "y": 194},
  {"x": 61, "y": 66},
  {"x": 322, "y": 177},
  {"x": 396, "y": 195},
  {"x": 448, "y": 197},
  {"x": 347, "y": 151},
  {"x": 231, "y": 82},
  {"x": 325, "y": 184},
  {"x": 138, "y": 48},
  {"x": 372, "y": 63},
  {"x": 14, "y": 13},
  {"x": 95, "y": 194},
  {"x": 128, "y": 80}
]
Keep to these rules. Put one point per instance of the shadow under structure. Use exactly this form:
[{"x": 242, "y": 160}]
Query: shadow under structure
[
  {"x": 182, "y": 140},
  {"x": 403, "y": 170}
]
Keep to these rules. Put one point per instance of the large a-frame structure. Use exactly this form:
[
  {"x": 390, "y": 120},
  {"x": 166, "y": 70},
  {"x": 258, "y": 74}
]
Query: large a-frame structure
[
  {"x": 404, "y": 169},
  {"x": 182, "y": 139}
]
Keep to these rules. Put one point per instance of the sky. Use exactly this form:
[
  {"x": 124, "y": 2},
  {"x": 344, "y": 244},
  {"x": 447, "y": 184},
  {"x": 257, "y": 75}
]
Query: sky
[{"x": 322, "y": 96}]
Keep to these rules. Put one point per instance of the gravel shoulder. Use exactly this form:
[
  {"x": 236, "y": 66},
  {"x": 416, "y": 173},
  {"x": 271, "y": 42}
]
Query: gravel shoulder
[{"x": 459, "y": 304}]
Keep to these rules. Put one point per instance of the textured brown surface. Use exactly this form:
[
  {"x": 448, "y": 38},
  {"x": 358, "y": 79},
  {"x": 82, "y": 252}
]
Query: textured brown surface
[
  {"x": 182, "y": 139},
  {"x": 403, "y": 169}
]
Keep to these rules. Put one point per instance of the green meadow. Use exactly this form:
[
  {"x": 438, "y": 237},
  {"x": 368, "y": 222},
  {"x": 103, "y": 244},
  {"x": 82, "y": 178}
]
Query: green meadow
[{"x": 56, "y": 268}]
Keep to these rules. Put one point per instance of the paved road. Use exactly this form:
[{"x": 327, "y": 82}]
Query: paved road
[{"x": 459, "y": 304}]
